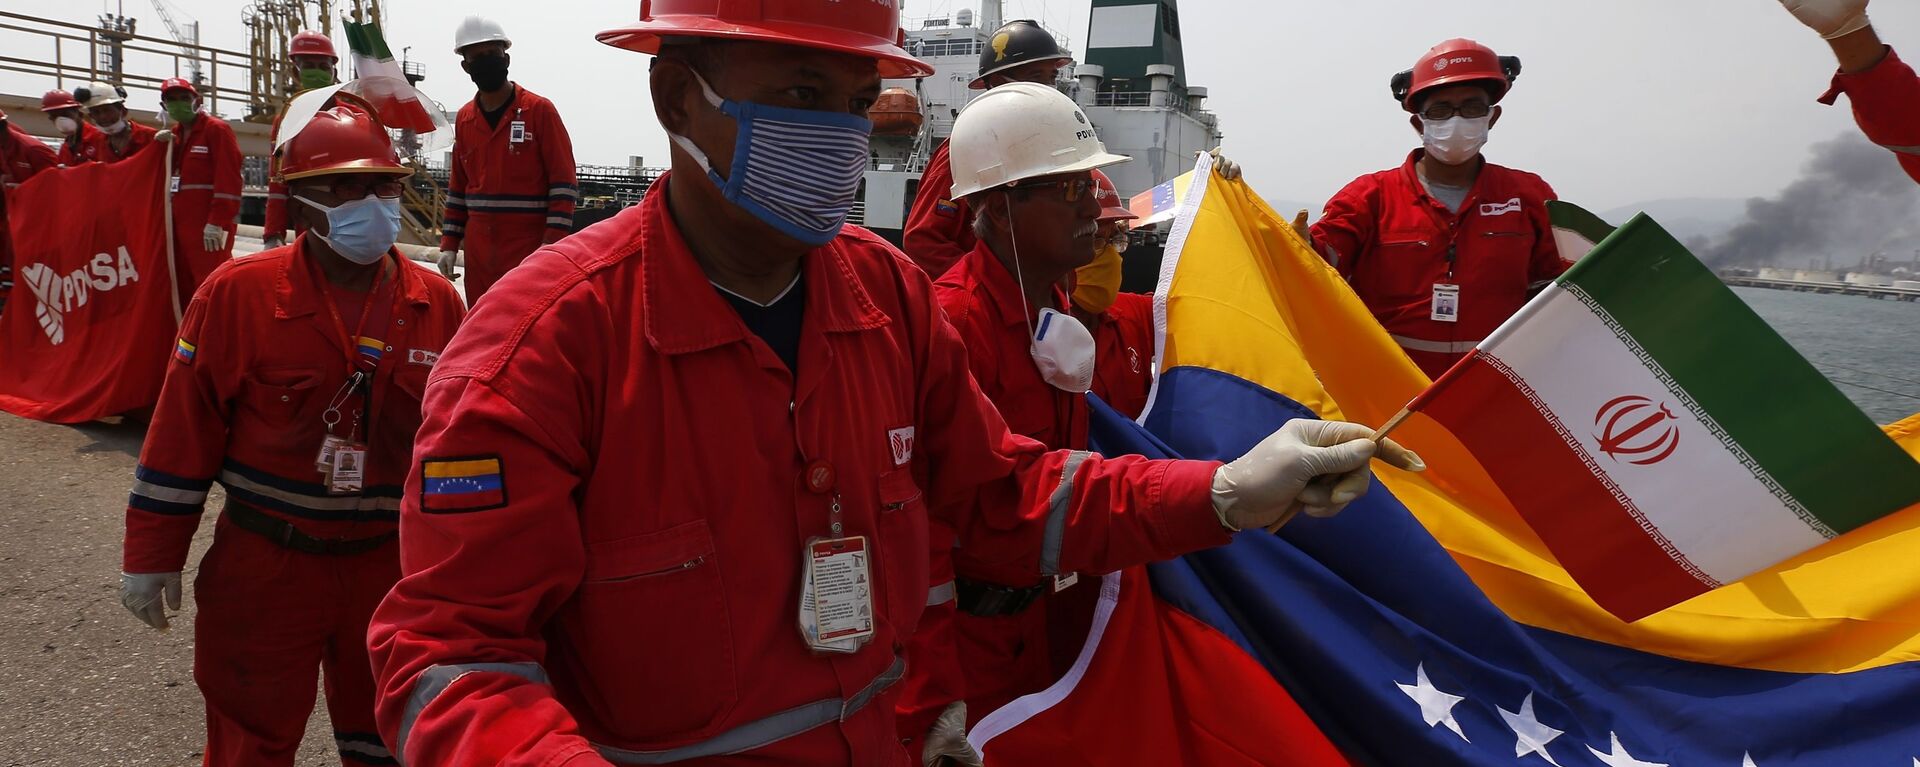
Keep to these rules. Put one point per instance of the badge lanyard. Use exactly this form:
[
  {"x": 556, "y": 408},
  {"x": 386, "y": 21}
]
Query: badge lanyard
[
  {"x": 836, "y": 595},
  {"x": 1445, "y": 304},
  {"x": 342, "y": 459}
]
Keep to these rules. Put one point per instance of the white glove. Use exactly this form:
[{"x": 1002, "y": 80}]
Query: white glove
[
  {"x": 947, "y": 741},
  {"x": 1830, "y": 18},
  {"x": 1227, "y": 169},
  {"x": 163, "y": 136},
  {"x": 214, "y": 237},
  {"x": 446, "y": 261},
  {"x": 272, "y": 241},
  {"x": 141, "y": 592},
  {"x": 1258, "y": 489}
]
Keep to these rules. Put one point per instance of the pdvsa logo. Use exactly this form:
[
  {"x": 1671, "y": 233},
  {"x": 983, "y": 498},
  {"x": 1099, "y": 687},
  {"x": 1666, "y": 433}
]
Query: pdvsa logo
[
  {"x": 1441, "y": 64},
  {"x": 57, "y": 295},
  {"x": 1637, "y": 430}
]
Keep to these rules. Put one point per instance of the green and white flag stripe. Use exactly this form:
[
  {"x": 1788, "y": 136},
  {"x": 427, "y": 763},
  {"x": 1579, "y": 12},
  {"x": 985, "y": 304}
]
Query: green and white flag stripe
[{"x": 1575, "y": 231}]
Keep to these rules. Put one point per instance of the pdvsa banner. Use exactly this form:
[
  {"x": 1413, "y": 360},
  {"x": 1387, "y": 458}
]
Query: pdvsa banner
[{"x": 90, "y": 321}]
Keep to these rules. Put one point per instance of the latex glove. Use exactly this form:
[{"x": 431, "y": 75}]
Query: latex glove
[
  {"x": 1830, "y": 18},
  {"x": 1300, "y": 227},
  {"x": 163, "y": 136},
  {"x": 141, "y": 593},
  {"x": 214, "y": 237},
  {"x": 446, "y": 262},
  {"x": 947, "y": 741},
  {"x": 1227, "y": 169},
  {"x": 273, "y": 241},
  {"x": 1260, "y": 487}
]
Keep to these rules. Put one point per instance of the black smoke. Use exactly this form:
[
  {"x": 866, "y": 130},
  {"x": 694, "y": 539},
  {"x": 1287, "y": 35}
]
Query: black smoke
[{"x": 1851, "y": 201}]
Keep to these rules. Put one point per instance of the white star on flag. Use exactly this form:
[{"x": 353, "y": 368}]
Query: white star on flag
[
  {"x": 1435, "y": 706},
  {"x": 1532, "y": 736},
  {"x": 1620, "y": 757},
  {"x": 1746, "y": 760}
]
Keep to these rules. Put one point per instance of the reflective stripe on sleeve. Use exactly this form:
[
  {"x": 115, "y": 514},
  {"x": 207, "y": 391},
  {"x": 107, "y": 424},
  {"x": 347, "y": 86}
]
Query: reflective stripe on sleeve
[
  {"x": 436, "y": 680},
  {"x": 1057, "y": 514},
  {"x": 940, "y": 595},
  {"x": 1436, "y": 347}
]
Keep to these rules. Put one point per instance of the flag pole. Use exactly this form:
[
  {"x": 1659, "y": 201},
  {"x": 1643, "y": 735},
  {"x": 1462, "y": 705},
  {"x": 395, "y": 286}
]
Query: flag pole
[{"x": 173, "y": 269}]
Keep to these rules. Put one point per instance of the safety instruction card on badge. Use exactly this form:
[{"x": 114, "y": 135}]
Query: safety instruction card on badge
[{"x": 842, "y": 589}]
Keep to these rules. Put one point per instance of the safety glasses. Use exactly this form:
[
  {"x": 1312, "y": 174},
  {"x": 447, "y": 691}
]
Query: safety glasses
[
  {"x": 1472, "y": 110},
  {"x": 1073, "y": 189}
]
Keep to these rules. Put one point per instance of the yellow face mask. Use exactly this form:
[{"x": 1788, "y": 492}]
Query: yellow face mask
[{"x": 1096, "y": 284}]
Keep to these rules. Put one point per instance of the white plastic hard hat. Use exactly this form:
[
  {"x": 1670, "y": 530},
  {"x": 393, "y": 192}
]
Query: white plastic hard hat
[
  {"x": 1020, "y": 131},
  {"x": 100, "y": 94},
  {"x": 475, "y": 29}
]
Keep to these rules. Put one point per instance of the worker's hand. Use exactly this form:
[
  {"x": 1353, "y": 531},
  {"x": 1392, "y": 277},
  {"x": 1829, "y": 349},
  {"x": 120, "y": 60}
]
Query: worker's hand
[
  {"x": 446, "y": 262},
  {"x": 1227, "y": 169},
  {"x": 1300, "y": 227},
  {"x": 163, "y": 136},
  {"x": 274, "y": 241},
  {"x": 141, "y": 593},
  {"x": 1830, "y": 18},
  {"x": 947, "y": 741},
  {"x": 1257, "y": 490},
  {"x": 214, "y": 237}
]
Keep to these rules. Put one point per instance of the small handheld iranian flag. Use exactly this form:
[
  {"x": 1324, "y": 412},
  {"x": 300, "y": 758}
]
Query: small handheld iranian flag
[
  {"x": 382, "y": 81},
  {"x": 1659, "y": 437}
]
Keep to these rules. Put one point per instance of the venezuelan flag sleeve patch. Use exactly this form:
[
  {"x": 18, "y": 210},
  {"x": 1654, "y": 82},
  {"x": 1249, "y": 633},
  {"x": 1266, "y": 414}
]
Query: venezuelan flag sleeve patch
[
  {"x": 458, "y": 485},
  {"x": 183, "y": 351}
]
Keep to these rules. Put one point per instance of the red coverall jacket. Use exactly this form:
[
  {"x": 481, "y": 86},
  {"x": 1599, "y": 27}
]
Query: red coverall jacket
[
  {"x": 1394, "y": 242},
  {"x": 506, "y": 198},
  {"x": 259, "y": 357},
  {"x": 206, "y": 160},
  {"x": 1123, "y": 366},
  {"x": 1005, "y": 656},
  {"x": 99, "y": 146},
  {"x": 1886, "y": 103},
  {"x": 617, "y": 568},
  {"x": 939, "y": 229},
  {"x": 21, "y": 157},
  {"x": 83, "y": 148}
]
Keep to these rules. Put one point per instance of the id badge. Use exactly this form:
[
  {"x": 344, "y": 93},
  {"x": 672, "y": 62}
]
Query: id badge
[
  {"x": 1446, "y": 303},
  {"x": 1064, "y": 582},
  {"x": 324, "y": 462},
  {"x": 174, "y": 185},
  {"x": 349, "y": 469},
  {"x": 840, "y": 574},
  {"x": 807, "y": 628},
  {"x": 517, "y": 131}
]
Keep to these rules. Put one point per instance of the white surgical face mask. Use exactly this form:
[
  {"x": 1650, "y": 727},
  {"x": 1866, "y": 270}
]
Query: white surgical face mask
[
  {"x": 1061, "y": 347},
  {"x": 116, "y": 127},
  {"x": 1455, "y": 140},
  {"x": 66, "y": 125}
]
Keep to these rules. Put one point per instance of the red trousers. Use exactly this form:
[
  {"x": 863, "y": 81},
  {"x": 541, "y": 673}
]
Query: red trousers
[
  {"x": 268, "y": 619},
  {"x": 496, "y": 243}
]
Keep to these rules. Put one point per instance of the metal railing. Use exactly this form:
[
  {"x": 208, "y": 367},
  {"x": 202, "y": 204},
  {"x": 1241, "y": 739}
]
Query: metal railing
[{"x": 72, "y": 55}]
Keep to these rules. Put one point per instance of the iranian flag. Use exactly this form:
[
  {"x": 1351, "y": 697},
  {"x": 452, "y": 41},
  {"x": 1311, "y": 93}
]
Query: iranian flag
[
  {"x": 380, "y": 80},
  {"x": 1655, "y": 433}
]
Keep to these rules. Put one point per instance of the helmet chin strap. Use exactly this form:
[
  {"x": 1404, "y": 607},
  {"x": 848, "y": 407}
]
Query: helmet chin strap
[{"x": 1019, "y": 277}]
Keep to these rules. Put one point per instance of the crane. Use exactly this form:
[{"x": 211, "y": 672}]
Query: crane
[{"x": 189, "y": 40}]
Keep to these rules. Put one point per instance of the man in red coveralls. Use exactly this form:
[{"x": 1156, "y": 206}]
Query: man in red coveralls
[
  {"x": 939, "y": 226},
  {"x": 118, "y": 137},
  {"x": 296, "y": 384},
  {"x": 76, "y": 134},
  {"x": 511, "y": 186},
  {"x": 1122, "y": 323},
  {"x": 687, "y": 479},
  {"x": 205, "y": 185},
  {"x": 1036, "y": 221},
  {"x": 1884, "y": 90},
  {"x": 21, "y": 157},
  {"x": 313, "y": 58},
  {"x": 1447, "y": 246}
]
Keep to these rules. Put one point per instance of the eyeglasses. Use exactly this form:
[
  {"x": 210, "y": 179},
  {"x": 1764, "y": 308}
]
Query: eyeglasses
[
  {"x": 1120, "y": 241},
  {"x": 1073, "y": 189},
  {"x": 1472, "y": 110},
  {"x": 355, "y": 189}
]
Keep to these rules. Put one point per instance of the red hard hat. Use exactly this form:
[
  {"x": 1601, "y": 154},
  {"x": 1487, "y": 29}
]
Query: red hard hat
[
  {"x": 345, "y": 138},
  {"x": 1455, "y": 62},
  {"x": 862, "y": 28},
  {"x": 177, "y": 84},
  {"x": 311, "y": 43},
  {"x": 1112, "y": 208},
  {"x": 55, "y": 101}
]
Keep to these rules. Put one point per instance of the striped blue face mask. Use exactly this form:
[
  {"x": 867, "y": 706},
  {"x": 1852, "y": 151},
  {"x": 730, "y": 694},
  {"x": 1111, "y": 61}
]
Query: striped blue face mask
[{"x": 798, "y": 170}]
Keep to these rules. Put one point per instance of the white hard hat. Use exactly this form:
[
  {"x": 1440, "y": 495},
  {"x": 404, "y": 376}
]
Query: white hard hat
[
  {"x": 475, "y": 29},
  {"x": 100, "y": 94},
  {"x": 1020, "y": 131}
]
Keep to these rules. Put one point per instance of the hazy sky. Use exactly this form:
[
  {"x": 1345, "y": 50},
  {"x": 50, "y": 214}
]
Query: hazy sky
[{"x": 1621, "y": 101}]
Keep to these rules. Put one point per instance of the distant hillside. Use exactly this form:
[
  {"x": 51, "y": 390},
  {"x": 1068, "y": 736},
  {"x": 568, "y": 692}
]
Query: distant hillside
[{"x": 1685, "y": 217}]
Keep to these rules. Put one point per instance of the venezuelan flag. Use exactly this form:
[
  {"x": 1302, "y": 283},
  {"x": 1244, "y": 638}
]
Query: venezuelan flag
[
  {"x": 452, "y": 485},
  {"x": 1428, "y": 625},
  {"x": 183, "y": 351}
]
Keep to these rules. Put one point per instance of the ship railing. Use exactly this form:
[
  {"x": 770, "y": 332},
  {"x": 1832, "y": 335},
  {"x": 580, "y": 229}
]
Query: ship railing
[{"x": 71, "y": 55}]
